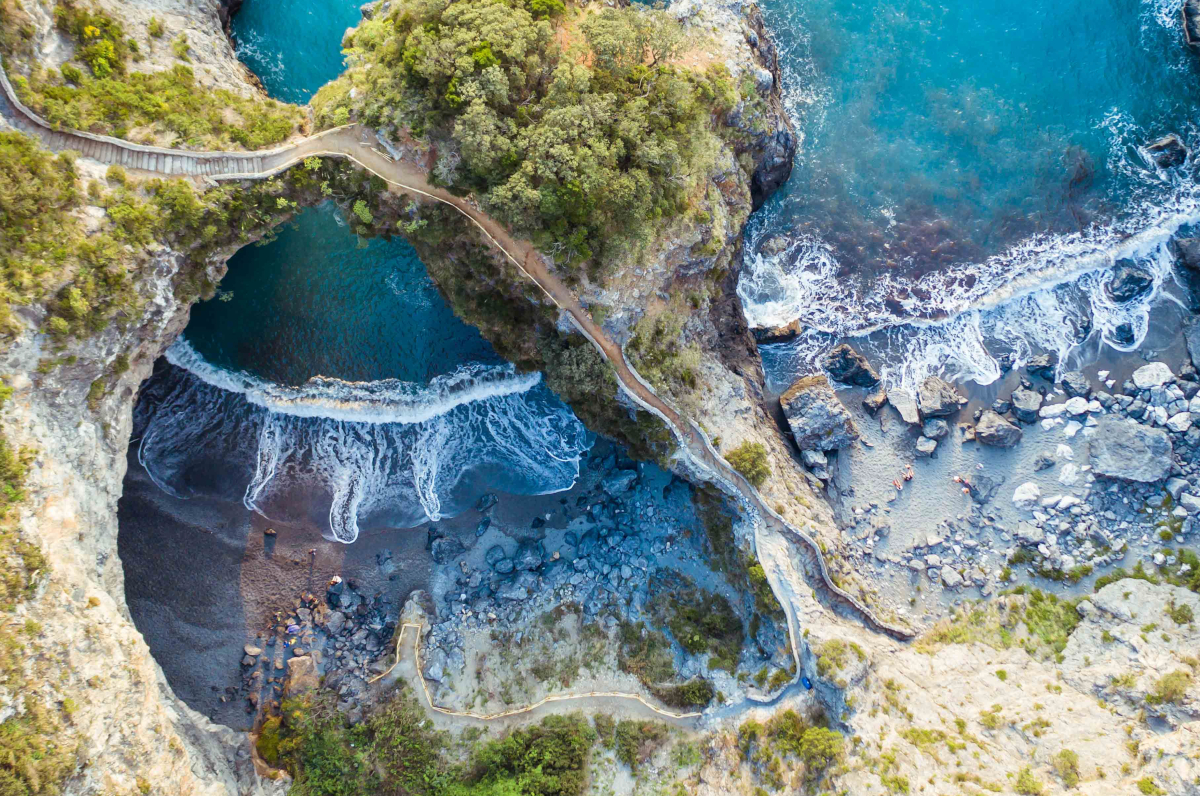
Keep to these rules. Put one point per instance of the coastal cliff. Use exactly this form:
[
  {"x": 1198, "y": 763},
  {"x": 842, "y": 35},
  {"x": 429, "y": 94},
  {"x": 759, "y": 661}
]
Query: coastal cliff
[{"x": 90, "y": 699}]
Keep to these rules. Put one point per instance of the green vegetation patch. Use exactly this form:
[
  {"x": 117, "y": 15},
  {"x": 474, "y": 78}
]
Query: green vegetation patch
[
  {"x": 1048, "y": 619},
  {"x": 786, "y": 735},
  {"x": 658, "y": 351},
  {"x": 701, "y": 621},
  {"x": 637, "y": 741},
  {"x": 99, "y": 94},
  {"x": 576, "y": 129},
  {"x": 750, "y": 459},
  {"x": 395, "y": 750}
]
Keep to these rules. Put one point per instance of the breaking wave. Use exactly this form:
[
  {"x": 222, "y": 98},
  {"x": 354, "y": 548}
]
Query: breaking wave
[{"x": 352, "y": 455}]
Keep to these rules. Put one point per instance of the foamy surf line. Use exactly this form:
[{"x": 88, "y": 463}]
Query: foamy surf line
[
  {"x": 812, "y": 295},
  {"x": 377, "y": 402}
]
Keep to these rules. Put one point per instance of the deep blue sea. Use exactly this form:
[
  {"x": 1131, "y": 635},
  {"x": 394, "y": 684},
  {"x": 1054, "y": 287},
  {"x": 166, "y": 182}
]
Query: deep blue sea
[
  {"x": 968, "y": 174},
  {"x": 328, "y": 383}
]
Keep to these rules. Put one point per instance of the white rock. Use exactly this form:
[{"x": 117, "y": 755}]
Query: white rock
[
  {"x": 1051, "y": 422},
  {"x": 1068, "y": 501},
  {"x": 1156, "y": 374},
  {"x": 1026, "y": 495},
  {"x": 1069, "y": 474},
  {"x": 1076, "y": 406},
  {"x": 1072, "y": 428},
  {"x": 1180, "y": 423},
  {"x": 1053, "y": 410},
  {"x": 1064, "y": 453},
  {"x": 1102, "y": 374},
  {"x": 1095, "y": 407},
  {"x": 1194, "y": 404},
  {"x": 1189, "y": 501}
]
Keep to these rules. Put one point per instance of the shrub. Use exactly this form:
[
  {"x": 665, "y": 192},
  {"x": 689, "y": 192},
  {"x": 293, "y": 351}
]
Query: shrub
[
  {"x": 156, "y": 28},
  {"x": 1148, "y": 786},
  {"x": 637, "y": 741},
  {"x": 1027, "y": 784},
  {"x": 1171, "y": 688},
  {"x": 1181, "y": 614},
  {"x": 750, "y": 459},
  {"x": 1066, "y": 766},
  {"x": 181, "y": 48}
]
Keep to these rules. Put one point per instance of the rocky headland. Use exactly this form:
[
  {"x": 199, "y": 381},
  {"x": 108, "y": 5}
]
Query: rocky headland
[{"x": 617, "y": 587}]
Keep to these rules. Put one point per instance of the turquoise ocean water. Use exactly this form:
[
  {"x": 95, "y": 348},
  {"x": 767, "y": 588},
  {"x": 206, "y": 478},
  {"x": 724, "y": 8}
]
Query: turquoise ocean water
[{"x": 968, "y": 173}]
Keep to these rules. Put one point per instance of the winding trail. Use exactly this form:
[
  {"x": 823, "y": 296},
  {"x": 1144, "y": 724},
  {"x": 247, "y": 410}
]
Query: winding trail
[{"x": 361, "y": 146}]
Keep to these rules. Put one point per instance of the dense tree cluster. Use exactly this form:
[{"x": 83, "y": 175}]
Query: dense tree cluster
[{"x": 573, "y": 125}]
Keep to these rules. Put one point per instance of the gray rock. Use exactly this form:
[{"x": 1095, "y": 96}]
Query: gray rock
[
  {"x": 252, "y": 650},
  {"x": 619, "y": 482},
  {"x": 1128, "y": 281},
  {"x": 937, "y": 398},
  {"x": 846, "y": 365},
  {"x": 1175, "y": 487},
  {"x": 925, "y": 446},
  {"x": 875, "y": 401},
  {"x": 983, "y": 487},
  {"x": 904, "y": 403},
  {"x": 1123, "y": 449},
  {"x": 1187, "y": 251},
  {"x": 1043, "y": 462},
  {"x": 529, "y": 555},
  {"x": 935, "y": 428},
  {"x": 1043, "y": 366},
  {"x": 1029, "y": 534},
  {"x": 817, "y": 463},
  {"x": 1190, "y": 502},
  {"x": 494, "y": 554},
  {"x": 1076, "y": 384},
  {"x": 950, "y": 578},
  {"x": 1191, "y": 335},
  {"x": 511, "y": 591},
  {"x": 445, "y": 549},
  {"x": 994, "y": 430},
  {"x": 817, "y": 418},
  {"x": 334, "y": 622},
  {"x": 504, "y": 566},
  {"x": 1025, "y": 404}
]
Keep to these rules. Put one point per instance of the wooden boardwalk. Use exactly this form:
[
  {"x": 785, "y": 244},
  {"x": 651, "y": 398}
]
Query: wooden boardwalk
[{"x": 360, "y": 145}]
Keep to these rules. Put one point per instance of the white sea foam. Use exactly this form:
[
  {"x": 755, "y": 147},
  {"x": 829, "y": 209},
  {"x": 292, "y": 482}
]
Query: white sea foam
[
  {"x": 387, "y": 453},
  {"x": 384, "y": 401}
]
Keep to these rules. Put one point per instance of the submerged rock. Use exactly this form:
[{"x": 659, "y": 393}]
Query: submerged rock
[
  {"x": 994, "y": 430},
  {"x": 1167, "y": 152},
  {"x": 1191, "y": 22},
  {"x": 938, "y": 398},
  {"x": 817, "y": 418},
  {"x": 846, "y": 365},
  {"x": 1121, "y": 448},
  {"x": 1128, "y": 281}
]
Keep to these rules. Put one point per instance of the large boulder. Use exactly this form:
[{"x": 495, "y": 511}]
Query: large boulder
[
  {"x": 937, "y": 398},
  {"x": 1187, "y": 250},
  {"x": 1156, "y": 374},
  {"x": 846, "y": 365},
  {"x": 1124, "y": 449},
  {"x": 818, "y": 420},
  {"x": 1191, "y": 335},
  {"x": 1167, "y": 152},
  {"x": 905, "y": 403},
  {"x": 777, "y": 334},
  {"x": 1025, "y": 404},
  {"x": 302, "y": 676},
  {"x": 1129, "y": 281},
  {"x": 994, "y": 430}
]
